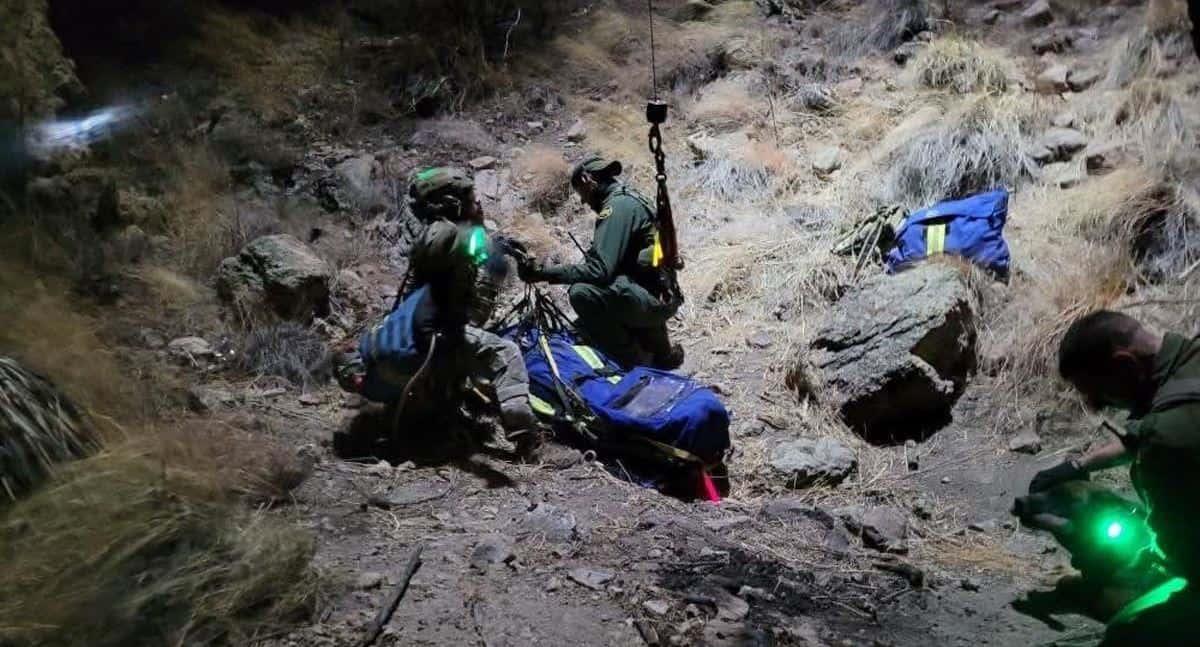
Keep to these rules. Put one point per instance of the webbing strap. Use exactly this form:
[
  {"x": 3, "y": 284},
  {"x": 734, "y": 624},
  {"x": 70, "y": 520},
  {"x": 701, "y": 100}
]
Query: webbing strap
[
  {"x": 935, "y": 239},
  {"x": 541, "y": 406}
]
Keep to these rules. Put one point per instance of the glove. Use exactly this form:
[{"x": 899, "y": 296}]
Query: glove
[
  {"x": 1057, "y": 475},
  {"x": 530, "y": 271}
]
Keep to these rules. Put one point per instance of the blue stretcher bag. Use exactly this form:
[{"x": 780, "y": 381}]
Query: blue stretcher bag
[
  {"x": 972, "y": 228},
  {"x": 390, "y": 351},
  {"x": 665, "y": 407}
]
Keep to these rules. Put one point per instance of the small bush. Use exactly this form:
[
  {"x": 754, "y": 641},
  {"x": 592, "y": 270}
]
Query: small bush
[
  {"x": 1152, "y": 115},
  {"x": 982, "y": 147},
  {"x": 960, "y": 65},
  {"x": 727, "y": 104},
  {"x": 286, "y": 350},
  {"x": 1164, "y": 36},
  {"x": 878, "y": 26},
  {"x": 545, "y": 177}
]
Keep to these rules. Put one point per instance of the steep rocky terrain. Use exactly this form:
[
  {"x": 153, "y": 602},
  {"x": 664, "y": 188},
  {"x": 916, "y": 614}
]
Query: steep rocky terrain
[{"x": 183, "y": 277}]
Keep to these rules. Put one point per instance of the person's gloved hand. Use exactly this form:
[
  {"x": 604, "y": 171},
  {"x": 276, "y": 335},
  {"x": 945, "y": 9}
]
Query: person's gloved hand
[
  {"x": 530, "y": 271},
  {"x": 1067, "y": 470}
]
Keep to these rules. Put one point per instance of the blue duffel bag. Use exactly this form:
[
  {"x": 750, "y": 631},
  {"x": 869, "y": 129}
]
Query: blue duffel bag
[
  {"x": 391, "y": 352},
  {"x": 972, "y": 228},
  {"x": 665, "y": 407}
]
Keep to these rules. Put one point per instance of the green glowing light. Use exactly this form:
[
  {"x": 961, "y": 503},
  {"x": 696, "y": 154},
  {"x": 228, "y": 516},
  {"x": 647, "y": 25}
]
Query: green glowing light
[
  {"x": 1114, "y": 530},
  {"x": 477, "y": 245}
]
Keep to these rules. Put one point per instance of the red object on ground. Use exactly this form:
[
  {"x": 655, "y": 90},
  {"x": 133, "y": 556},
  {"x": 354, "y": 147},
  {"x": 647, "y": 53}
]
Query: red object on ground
[{"x": 708, "y": 489}]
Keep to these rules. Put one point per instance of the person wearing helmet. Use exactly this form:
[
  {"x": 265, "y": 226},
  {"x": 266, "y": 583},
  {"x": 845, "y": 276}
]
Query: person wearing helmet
[
  {"x": 615, "y": 290},
  {"x": 455, "y": 259}
]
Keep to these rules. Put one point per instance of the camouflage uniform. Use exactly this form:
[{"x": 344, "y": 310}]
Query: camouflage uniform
[{"x": 613, "y": 291}]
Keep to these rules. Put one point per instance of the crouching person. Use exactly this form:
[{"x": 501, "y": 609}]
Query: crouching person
[
  {"x": 430, "y": 346},
  {"x": 1115, "y": 361}
]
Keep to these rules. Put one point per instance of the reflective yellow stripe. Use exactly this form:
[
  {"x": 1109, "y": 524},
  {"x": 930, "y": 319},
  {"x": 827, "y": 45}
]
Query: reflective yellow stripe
[
  {"x": 935, "y": 240},
  {"x": 589, "y": 356},
  {"x": 656, "y": 255},
  {"x": 541, "y": 406}
]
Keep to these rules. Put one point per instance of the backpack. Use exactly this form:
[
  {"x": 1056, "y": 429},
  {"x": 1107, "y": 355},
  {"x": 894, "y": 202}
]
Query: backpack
[
  {"x": 391, "y": 352},
  {"x": 972, "y": 228},
  {"x": 659, "y": 410}
]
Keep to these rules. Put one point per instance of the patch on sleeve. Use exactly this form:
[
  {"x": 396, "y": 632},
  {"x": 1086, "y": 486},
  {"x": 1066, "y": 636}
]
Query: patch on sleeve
[{"x": 604, "y": 213}]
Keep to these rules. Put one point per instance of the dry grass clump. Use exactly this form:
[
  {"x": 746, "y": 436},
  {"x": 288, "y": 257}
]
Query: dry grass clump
[
  {"x": 129, "y": 548},
  {"x": 286, "y": 350},
  {"x": 39, "y": 428},
  {"x": 726, "y": 104},
  {"x": 1163, "y": 38},
  {"x": 878, "y": 26},
  {"x": 961, "y": 65},
  {"x": 1160, "y": 226},
  {"x": 1153, "y": 115},
  {"x": 265, "y": 61},
  {"x": 201, "y": 221},
  {"x": 545, "y": 177},
  {"x": 980, "y": 147},
  {"x": 748, "y": 173}
]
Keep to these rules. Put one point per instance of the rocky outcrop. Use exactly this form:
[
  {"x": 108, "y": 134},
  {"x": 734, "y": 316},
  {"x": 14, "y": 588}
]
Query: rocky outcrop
[
  {"x": 895, "y": 354},
  {"x": 282, "y": 273},
  {"x": 36, "y": 78}
]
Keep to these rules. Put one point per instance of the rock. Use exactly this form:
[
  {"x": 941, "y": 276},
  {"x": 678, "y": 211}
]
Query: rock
[
  {"x": 657, "y": 607},
  {"x": 553, "y": 584},
  {"x": 589, "y": 578},
  {"x": 895, "y": 353},
  {"x": 1041, "y": 154},
  {"x": 549, "y": 521},
  {"x": 725, "y": 146},
  {"x": 740, "y": 54},
  {"x": 797, "y": 510},
  {"x": 992, "y": 16},
  {"x": 1064, "y": 174},
  {"x": 1038, "y": 14},
  {"x": 760, "y": 340},
  {"x": 1065, "y": 120},
  {"x": 1063, "y": 142},
  {"x": 190, "y": 349},
  {"x": 882, "y": 528},
  {"x": 945, "y": 480},
  {"x": 1103, "y": 156},
  {"x": 281, "y": 272},
  {"x": 799, "y": 463},
  {"x": 535, "y": 126},
  {"x": 725, "y": 633},
  {"x": 827, "y": 160},
  {"x": 905, "y": 52},
  {"x": 1026, "y": 442},
  {"x": 487, "y": 184},
  {"x": 150, "y": 339},
  {"x": 368, "y": 580},
  {"x": 482, "y": 163},
  {"x": 692, "y": 10},
  {"x": 849, "y": 87},
  {"x": 311, "y": 399},
  {"x": 1054, "y": 41},
  {"x": 912, "y": 455},
  {"x": 1053, "y": 79},
  {"x": 923, "y": 508},
  {"x": 970, "y": 584},
  {"x": 577, "y": 132},
  {"x": 985, "y": 526},
  {"x": 1080, "y": 80},
  {"x": 491, "y": 550},
  {"x": 204, "y": 400},
  {"x": 382, "y": 468},
  {"x": 728, "y": 523}
]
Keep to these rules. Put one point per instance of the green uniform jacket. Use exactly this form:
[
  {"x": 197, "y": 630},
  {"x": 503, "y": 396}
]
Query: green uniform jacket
[
  {"x": 621, "y": 245},
  {"x": 439, "y": 259},
  {"x": 1166, "y": 466}
]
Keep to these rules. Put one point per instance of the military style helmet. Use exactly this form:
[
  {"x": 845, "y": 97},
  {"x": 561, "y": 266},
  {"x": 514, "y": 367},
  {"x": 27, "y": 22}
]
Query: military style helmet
[{"x": 439, "y": 192}]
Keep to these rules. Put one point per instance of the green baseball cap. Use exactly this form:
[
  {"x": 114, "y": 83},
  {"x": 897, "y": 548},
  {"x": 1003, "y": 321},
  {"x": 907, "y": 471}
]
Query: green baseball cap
[{"x": 596, "y": 166}]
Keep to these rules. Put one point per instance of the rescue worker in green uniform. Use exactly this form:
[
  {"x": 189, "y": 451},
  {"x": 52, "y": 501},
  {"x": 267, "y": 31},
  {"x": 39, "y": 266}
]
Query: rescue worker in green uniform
[
  {"x": 1115, "y": 361},
  {"x": 456, "y": 260},
  {"x": 616, "y": 291}
]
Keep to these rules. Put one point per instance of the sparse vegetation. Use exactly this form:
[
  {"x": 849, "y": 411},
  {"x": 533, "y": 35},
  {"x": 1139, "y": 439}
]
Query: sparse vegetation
[
  {"x": 1162, "y": 38},
  {"x": 287, "y": 350},
  {"x": 545, "y": 177},
  {"x": 961, "y": 65},
  {"x": 980, "y": 147}
]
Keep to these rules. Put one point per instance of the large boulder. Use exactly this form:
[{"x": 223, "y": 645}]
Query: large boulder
[
  {"x": 895, "y": 354},
  {"x": 282, "y": 273}
]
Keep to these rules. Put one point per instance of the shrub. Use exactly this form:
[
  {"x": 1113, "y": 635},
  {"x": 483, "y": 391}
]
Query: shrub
[
  {"x": 1163, "y": 36},
  {"x": 960, "y": 65},
  {"x": 286, "y": 350},
  {"x": 979, "y": 148},
  {"x": 545, "y": 177}
]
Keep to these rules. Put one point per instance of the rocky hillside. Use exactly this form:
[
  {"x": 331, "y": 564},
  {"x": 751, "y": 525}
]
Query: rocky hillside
[{"x": 227, "y": 205}]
